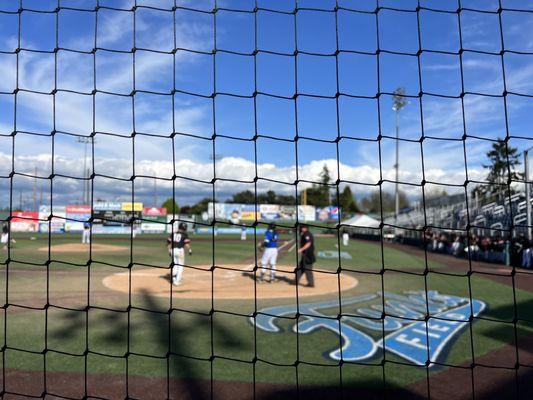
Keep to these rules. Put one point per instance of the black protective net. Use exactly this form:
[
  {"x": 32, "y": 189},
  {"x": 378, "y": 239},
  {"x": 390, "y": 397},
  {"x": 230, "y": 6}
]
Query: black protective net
[{"x": 347, "y": 99}]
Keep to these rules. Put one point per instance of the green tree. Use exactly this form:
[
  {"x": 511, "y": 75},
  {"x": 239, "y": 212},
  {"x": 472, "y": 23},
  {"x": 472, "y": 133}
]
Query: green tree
[
  {"x": 347, "y": 201},
  {"x": 374, "y": 202},
  {"x": 319, "y": 194},
  {"x": 244, "y": 197},
  {"x": 502, "y": 168},
  {"x": 171, "y": 206},
  {"x": 270, "y": 197}
]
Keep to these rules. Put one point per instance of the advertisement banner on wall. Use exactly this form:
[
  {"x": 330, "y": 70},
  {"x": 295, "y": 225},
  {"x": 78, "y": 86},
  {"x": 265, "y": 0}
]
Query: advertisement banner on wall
[
  {"x": 154, "y": 220},
  {"x": 327, "y": 213},
  {"x": 306, "y": 213},
  {"x": 132, "y": 206},
  {"x": 249, "y": 213},
  {"x": 25, "y": 221},
  {"x": 270, "y": 212},
  {"x": 107, "y": 206},
  {"x": 56, "y": 224},
  {"x": 77, "y": 215},
  {"x": 228, "y": 212},
  {"x": 98, "y": 229}
]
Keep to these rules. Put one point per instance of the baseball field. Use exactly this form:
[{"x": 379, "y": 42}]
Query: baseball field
[{"x": 108, "y": 312}]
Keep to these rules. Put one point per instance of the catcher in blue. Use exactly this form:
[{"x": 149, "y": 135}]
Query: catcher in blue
[
  {"x": 177, "y": 242},
  {"x": 270, "y": 255}
]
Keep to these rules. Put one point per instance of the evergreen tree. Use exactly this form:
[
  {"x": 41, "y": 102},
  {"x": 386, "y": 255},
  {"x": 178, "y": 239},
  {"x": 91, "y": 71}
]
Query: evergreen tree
[
  {"x": 504, "y": 160},
  {"x": 171, "y": 206},
  {"x": 347, "y": 201}
]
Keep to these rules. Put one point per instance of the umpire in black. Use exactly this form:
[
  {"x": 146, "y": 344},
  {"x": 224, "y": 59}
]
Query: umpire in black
[{"x": 307, "y": 250}]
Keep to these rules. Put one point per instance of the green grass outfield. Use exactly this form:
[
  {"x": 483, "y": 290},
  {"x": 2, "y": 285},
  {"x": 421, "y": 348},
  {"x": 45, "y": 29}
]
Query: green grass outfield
[{"x": 65, "y": 328}]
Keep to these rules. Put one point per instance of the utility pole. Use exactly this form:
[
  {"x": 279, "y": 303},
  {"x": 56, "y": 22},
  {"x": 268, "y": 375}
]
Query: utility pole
[
  {"x": 88, "y": 191},
  {"x": 155, "y": 192},
  {"x": 399, "y": 101},
  {"x": 35, "y": 190},
  {"x": 85, "y": 140},
  {"x": 528, "y": 192}
]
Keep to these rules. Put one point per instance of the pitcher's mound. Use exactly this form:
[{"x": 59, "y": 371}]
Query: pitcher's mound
[
  {"x": 226, "y": 282},
  {"x": 83, "y": 248}
]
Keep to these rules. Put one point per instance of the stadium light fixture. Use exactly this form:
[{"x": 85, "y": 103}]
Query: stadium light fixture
[{"x": 399, "y": 101}]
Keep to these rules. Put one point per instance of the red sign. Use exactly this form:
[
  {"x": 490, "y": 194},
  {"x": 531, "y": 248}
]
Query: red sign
[
  {"x": 24, "y": 221},
  {"x": 154, "y": 211},
  {"x": 19, "y": 216},
  {"x": 78, "y": 209}
]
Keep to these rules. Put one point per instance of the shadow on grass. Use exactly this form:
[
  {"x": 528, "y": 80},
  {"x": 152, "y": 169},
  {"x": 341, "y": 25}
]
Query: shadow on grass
[{"x": 191, "y": 381}]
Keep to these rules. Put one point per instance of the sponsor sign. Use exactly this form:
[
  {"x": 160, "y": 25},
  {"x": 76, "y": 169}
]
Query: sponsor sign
[
  {"x": 248, "y": 215},
  {"x": 132, "y": 206},
  {"x": 154, "y": 220},
  {"x": 24, "y": 221},
  {"x": 78, "y": 209},
  {"x": 327, "y": 213},
  {"x": 154, "y": 212},
  {"x": 306, "y": 213},
  {"x": 230, "y": 231},
  {"x": 403, "y": 331},
  {"x": 56, "y": 224},
  {"x": 111, "y": 230},
  {"x": 77, "y": 215},
  {"x": 107, "y": 206},
  {"x": 270, "y": 212},
  {"x": 115, "y": 217}
]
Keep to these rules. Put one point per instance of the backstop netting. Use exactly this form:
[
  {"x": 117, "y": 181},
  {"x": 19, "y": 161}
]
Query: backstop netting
[{"x": 376, "y": 149}]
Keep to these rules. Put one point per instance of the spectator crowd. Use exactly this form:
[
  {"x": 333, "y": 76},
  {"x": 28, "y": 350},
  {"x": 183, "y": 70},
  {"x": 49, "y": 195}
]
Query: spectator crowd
[{"x": 497, "y": 249}]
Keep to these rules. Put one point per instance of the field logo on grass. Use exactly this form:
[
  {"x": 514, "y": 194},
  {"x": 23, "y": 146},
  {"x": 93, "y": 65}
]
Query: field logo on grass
[
  {"x": 333, "y": 254},
  {"x": 361, "y": 325}
]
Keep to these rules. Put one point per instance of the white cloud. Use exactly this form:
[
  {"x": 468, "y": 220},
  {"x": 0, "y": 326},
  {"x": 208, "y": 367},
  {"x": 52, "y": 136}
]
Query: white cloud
[{"x": 189, "y": 191}]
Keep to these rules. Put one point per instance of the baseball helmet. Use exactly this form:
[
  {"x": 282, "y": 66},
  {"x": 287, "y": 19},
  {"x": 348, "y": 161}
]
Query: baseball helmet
[{"x": 182, "y": 226}]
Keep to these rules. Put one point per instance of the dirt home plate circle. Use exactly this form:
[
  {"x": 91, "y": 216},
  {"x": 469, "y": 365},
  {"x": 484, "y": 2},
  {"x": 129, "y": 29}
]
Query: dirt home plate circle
[{"x": 228, "y": 282}]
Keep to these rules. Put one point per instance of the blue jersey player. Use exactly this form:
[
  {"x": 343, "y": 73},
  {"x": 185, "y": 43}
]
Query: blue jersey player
[{"x": 270, "y": 256}]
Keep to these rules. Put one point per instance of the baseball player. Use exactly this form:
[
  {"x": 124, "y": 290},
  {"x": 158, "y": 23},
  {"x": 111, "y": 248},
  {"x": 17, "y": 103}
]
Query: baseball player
[
  {"x": 270, "y": 255},
  {"x": 307, "y": 250},
  {"x": 345, "y": 238},
  {"x": 177, "y": 242},
  {"x": 5, "y": 236},
  {"x": 86, "y": 234}
]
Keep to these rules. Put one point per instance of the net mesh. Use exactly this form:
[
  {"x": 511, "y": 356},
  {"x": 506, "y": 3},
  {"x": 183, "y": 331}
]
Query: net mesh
[{"x": 294, "y": 49}]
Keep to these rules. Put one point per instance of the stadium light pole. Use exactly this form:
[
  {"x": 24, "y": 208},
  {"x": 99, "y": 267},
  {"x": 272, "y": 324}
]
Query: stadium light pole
[
  {"x": 527, "y": 192},
  {"x": 398, "y": 102},
  {"x": 85, "y": 140}
]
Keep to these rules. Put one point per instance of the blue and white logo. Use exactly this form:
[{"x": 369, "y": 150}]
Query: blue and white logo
[{"x": 404, "y": 330}]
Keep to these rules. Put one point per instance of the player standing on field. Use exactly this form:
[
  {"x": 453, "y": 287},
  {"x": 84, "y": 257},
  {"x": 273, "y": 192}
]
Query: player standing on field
[
  {"x": 307, "y": 250},
  {"x": 177, "y": 242},
  {"x": 270, "y": 256},
  {"x": 86, "y": 234},
  {"x": 5, "y": 237}
]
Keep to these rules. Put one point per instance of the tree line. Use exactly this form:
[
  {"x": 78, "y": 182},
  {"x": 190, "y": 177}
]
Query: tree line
[{"x": 320, "y": 194}]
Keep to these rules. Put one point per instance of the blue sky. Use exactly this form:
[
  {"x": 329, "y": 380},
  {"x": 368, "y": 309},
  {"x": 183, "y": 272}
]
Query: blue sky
[{"x": 278, "y": 74}]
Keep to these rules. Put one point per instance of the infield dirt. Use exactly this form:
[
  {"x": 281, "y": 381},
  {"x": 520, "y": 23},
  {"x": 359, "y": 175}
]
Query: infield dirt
[{"x": 227, "y": 282}]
